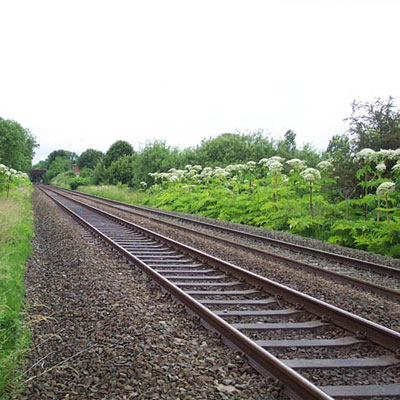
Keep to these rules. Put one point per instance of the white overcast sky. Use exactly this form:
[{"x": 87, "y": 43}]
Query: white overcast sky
[{"x": 83, "y": 74}]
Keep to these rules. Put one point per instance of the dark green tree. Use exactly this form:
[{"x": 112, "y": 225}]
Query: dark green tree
[
  {"x": 16, "y": 145},
  {"x": 99, "y": 174},
  {"x": 230, "y": 148},
  {"x": 121, "y": 170},
  {"x": 155, "y": 156},
  {"x": 89, "y": 158},
  {"x": 344, "y": 169},
  {"x": 286, "y": 148},
  {"x": 374, "y": 125},
  {"x": 307, "y": 153},
  {"x": 118, "y": 149},
  {"x": 71, "y": 156},
  {"x": 58, "y": 166}
]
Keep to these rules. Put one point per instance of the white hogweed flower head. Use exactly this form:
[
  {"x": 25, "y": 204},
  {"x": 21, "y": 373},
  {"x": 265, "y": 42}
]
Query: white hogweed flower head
[
  {"x": 384, "y": 154},
  {"x": 251, "y": 164},
  {"x": 275, "y": 166},
  {"x": 173, "y": 178},
  {"x": 296, "y": 164},
  {"x": 310, "y": 174},
  {"x": 263, "y": 161},
  {"x": 396, "y": 154},
  {"x": 365, "y": 154},
  {"x": 143, "y": 184},
  {"x": 324, "y": 165},
  {"x": 188, "y": 166},
  {"x": 385, "y": 188},
  {"x": 285, "y": 179},
  {"x": 381, "y": 167},
  {"x": 277, "y": 158},
  {"x": 396, "y": 167}
]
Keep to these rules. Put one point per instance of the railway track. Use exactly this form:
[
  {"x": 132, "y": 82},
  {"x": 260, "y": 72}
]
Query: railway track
[
  {"x": 270, "y": 323},
  {"x": 376, "y": 278}
]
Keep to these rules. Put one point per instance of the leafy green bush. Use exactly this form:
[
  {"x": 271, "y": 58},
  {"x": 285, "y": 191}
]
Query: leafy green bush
[{"x": 76, "y": 182}]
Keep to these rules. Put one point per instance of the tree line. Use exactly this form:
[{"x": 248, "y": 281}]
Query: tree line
[{"x": 374, "y": 125}]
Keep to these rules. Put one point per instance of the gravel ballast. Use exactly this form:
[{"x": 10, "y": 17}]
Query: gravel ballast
[{"x": 102, "y": 330}]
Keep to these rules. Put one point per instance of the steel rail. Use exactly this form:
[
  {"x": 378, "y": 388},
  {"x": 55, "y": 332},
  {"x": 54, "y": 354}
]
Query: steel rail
[
  {"x": 372, "y": 331},
  {"x": 344, "y": 279},
  {"x": 297, "y": 386},
  {"x": 355, "y": 262}
]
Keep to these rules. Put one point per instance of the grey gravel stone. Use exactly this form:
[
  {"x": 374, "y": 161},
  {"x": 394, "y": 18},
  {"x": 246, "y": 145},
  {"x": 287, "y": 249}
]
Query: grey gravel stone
[{"x": 101, "y": 330}]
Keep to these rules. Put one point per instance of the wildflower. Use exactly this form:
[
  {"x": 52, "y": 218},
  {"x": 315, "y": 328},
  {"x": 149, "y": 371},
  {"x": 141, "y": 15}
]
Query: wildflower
[
  {"x": 385, "y": 188},
  {"x": 173, "y": 178},
  {"x": 251, "y": 164},
  {"x": 296, "y": 164},
  {"x": 263, "y": 161},
  {"x": 143, "y": 184},
  {"x": 285, "y": 179},
  {"x": 383, "y": 154},
  {"x": 365, "y": 154},
  {"x": 396, "y": 154},
  {"x": 275, "y": 166},
  {"x": 324, "y": 165},
  {"x": 381, "y": 167},
  {"x": 277, "y": 158},
  {"x": 206, "y": 171},
  {"x": 396, "y": 167},
  {"x": 310, "y": 174},
  {"x": 188, "y": 166}
]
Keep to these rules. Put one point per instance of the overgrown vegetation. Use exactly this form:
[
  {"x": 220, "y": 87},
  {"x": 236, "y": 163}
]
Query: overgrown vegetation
[
  {"x": 286, "y": 196},
  {"x": 344, "y": 204},
  {"x": 16, "y": 229}
]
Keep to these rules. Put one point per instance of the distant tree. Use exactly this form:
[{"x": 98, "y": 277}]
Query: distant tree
[
  {"x": 230, "y": 148},
  {"x": 58, "y": 166},
  {"x": 344, "y": 169},
  {"x": 307, "y": 153},
  {"x": 121, "y": 170},
  {"x": 40, "y": 165},
  {"x": 16, "y": 145},
  {"x": 286, "y": 147},
  {"x": 99, "y": 174},
  {"x": 118, "y": 149},
  {"x": 71, "y": 156},
  {"x": 89, "y": 158},
  {"x": 155, "y": 156},
  {"x": 374, "y": 125}
]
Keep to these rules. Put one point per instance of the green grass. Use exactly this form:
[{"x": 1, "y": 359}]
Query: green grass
[
  {"x": 16, "y": 230},
  {"x": 119, "y": 193}
]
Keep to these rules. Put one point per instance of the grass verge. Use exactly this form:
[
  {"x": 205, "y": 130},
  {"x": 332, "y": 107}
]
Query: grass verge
[
  {"x": 119, "y": 193},
  {"x": 16, "y": 230}
]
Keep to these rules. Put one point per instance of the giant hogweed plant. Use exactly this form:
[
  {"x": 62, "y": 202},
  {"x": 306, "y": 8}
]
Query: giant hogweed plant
[
  {"x": 288, "y": 196},
  {"x": 10, "y": 178}
]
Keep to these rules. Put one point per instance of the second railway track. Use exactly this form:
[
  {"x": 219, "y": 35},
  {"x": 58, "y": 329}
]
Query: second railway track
[
  {"x": 376, "y": 278},
  {"x": 341, "y": 355}
]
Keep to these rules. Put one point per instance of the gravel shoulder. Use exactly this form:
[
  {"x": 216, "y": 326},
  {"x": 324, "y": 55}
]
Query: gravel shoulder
[{"x": 101, "y": 330}]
